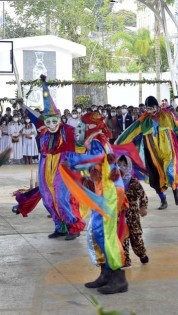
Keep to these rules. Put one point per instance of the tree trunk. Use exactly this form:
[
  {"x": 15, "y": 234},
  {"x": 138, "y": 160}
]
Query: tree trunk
[
  {"x": 158, "y": 56},
  {"x": 140, "y": 87}
]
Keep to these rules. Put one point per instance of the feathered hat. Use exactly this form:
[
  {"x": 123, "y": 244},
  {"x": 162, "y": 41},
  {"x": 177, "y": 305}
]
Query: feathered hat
[
  {"x": 151, "y": 101},
  {"x": 48, "y": 103}
]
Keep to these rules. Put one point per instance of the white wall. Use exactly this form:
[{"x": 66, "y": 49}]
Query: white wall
[
  {"x": 63, "y": 72},
  {"x": 129, "y": 95}
]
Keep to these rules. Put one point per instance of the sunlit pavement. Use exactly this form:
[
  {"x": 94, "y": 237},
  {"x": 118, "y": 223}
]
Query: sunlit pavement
[{"x": 46, "y": 276}]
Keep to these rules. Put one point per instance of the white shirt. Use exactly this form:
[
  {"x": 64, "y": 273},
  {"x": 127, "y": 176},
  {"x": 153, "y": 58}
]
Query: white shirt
[
  {"x": 73, "y": 122},
  {"x": 124, "y": 117}
]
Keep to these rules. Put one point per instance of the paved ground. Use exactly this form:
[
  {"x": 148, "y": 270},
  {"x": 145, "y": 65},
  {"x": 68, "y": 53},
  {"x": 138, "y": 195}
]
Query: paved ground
[{"x": 40, "y": 276}]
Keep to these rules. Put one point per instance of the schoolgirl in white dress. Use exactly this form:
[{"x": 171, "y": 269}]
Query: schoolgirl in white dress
[
  {"x": 29, "y": 147},
  {"x": 15, "y": 132}
]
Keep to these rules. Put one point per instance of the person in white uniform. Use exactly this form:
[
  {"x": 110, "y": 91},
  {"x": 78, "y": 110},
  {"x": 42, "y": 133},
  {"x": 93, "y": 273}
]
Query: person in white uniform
[
  {"x": 74, "y": 120},
  {"x": 15, "y": 132},
  {"x": 5, "y": 138},
  {"x": 29, "y": 147}
]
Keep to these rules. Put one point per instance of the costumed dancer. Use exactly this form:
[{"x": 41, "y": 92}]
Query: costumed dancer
[
  {"x": 155, "y": 135},
  {"x": 104, "y": 247},
  {"x": 138, "y": 202},
  {"x": 55, "y": 140}
]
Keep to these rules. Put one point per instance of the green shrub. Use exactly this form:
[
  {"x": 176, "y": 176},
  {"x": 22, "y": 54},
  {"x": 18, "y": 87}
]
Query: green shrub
[{"x": 82, "y": 100}]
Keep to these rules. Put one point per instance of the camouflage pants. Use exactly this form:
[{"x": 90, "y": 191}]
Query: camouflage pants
[{"x": 135, "y": 237}]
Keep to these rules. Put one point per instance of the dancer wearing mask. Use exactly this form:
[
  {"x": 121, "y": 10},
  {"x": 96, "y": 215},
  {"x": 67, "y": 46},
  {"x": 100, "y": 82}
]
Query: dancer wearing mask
[
  {"x": 104, "y": 247},
  {"x": 155, "y": 133},
  {"x": 56, "y": 139}
]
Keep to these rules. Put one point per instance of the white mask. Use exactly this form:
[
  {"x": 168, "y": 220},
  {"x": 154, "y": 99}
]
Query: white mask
[
  {"x": 15, "y": 119},
  {"x": 124, "y": 111},
  {"x": 27, "y": 120},
  {"x": 52, "y": 123},
  {"x": 113, "y": 114},
  {"x": 74, "y": 116},
  {"x": 79, "y": 110}
]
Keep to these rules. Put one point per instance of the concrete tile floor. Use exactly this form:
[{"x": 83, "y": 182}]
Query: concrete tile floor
[{"x": 40, "y": 276}]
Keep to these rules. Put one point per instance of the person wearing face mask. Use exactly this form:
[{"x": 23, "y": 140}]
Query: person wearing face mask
[
  {"x": 112, "y": 124},
  {"x": 142, "y": 108},
  {"x": 66, "y": 112},
  {"x": 104, "y": 114},
  {"x": 5, "y": 138},
  {"x": 84, "y": 111},
  {"x": 124, "y": 120},
  {"x": 104, "y": 182},
  {"x": 15, "y": 132},
  {"x": 56, "y": 140},
  {"x": 74, "y": 120},
  {"x": 64, "y": 119},
  {"x": 8, "y": 113},
  {"x": 29, "y": 146},
  {"x": 79, "y": 111},
  {"x": 155, "y": 134},
  {"x": 100, "y": 107},
  {"x": 94, "y": 108}
]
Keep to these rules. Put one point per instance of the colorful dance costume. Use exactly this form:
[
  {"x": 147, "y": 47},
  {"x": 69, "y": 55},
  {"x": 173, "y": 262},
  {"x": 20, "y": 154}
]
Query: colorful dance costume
[
  {"x": 104, "y": 246},
  {"x": 155, "y": 135},
  {"x": 56, "y": 139}
]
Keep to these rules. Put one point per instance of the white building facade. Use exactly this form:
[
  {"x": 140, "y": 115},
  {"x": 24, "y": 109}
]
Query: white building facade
[
  {"x": 48, "y": 55},
  {"x": 129, "y": 94}
]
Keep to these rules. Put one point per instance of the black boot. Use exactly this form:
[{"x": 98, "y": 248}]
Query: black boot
[
  {"x": 164, "y": 204},
  {"x": 175, "y": 193},
  {"x": 116, "y": 284},
  {"x": 56, "y": 234},
  {"x": 71, "y": 236},
  {"x": 101, "y": 280}
]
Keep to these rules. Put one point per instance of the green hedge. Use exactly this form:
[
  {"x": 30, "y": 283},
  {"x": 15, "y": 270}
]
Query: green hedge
[{"x": 82, "y": 100}]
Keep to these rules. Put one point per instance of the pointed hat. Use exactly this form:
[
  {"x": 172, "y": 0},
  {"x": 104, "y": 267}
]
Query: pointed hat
[{"x": 48, "y": 103}]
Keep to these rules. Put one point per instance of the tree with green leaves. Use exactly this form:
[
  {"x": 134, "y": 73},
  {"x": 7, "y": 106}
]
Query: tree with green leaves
[{"x": 88, "y": 22}]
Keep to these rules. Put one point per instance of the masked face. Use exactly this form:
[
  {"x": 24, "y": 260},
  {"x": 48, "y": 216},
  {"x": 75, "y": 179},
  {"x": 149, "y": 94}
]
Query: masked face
[
  {"x": 52, "y": 123},
  {"x": 152, "y": 110},
  {"x": 80, "y": 133},
  {"x": 113, "y": 114},
  {"x": 124, "y": 110},
  {"x": 74, "y": 115},
  {"x": 104, "y": 114},
  {"x": 64, "y": 120}
]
